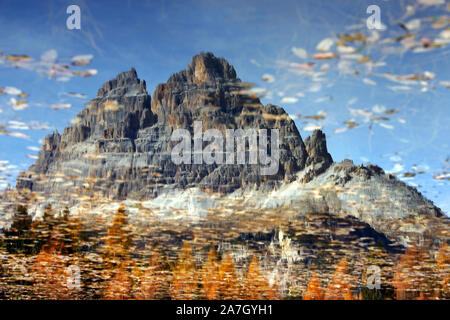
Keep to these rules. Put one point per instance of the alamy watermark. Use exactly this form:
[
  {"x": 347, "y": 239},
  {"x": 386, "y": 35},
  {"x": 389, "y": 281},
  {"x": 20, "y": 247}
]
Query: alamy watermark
[
  {"x": 73, "y": 277},
  {"x": 374, "y": 277},
  {"x": 74, "y": 20},
  {"x": 374, "y": 20},
  {"x": 216, "y": 150}
]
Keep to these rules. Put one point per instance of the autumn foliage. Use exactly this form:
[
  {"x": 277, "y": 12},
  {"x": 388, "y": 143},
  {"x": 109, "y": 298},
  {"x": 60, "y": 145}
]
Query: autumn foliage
[
  {"x": 184, "y": 282},
  {"x": 314, "y": 290},
  {"x": 341, "y": 284},
  {"x": 122, "y": 270},
  {"x": 50, "y": 272},
  {"x": 419, "y": 275}
]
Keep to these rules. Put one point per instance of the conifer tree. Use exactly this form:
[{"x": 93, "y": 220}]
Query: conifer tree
[
  {"x": 151, "y": 280},
  {"x": 184, "y": 282},
  {"x": 256, "y": 286},
  {"x": 340, "y": 286},
  {"x": 443, "y": 269},
  {"x": 210, "y": 276},
  {"x": 228, "y": 283},
  {"x": 18, "y": 236},
  {"x": 118, "y": 238},
  {"x": 314, "y": 290},
  {"x": 120, "y": 285},
  {"x": 50, "y": 277}
]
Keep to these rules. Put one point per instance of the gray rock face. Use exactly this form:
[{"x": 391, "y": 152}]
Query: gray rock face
[
  {"x": 318, "y": 157},
  {"x": 119, "y": 147},
  {"x": 120, "y": 144}
]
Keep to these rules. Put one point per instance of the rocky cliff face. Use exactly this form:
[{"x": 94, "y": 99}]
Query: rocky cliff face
[
  {"x": 119, "y": 147},
  {"x": 120, "y": 144}
]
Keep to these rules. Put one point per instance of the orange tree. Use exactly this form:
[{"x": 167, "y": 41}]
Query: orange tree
[
  {"x": 314, "y": 290},
  {"x": 256, "y": 286},
  {"x": 341, "y": 284},
  {"x": 227, "y": 281},
  {"x": 414, "y": 276},
  {"x": 443, "y": 270},
  {"x": 151, "y": 280},
  {"x": 184, "y": 281},
  {"x": 50, "y": 272},
  {"x": 210, "y": 276}
]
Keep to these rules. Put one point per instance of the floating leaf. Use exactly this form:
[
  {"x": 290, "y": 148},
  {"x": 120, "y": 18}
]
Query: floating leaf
[
  {"x": 387, "y": 126},
  {"x": 345, "y": 49},
  {"x": 289, "y": 100},
  {"x": 312, "y": 127},
  {"x": 413, "y": 24},
  {"x": 325, "y": 55},
  {"x": 82, "y": 60},
  {"x": 32, "y": 148},
  {"x": 369, "y": 82},
  {"x": 431, "y": 2},
  {"x": 18, "y": 105},
  {"x": 391, "y": 111},
  {"x": 300, "y": 52},
  {"x": 443, "y": 176},
  {"x": 356, "y": 37},
  {"x": 12, "y": 91},
  {"x": 61, "y": 106},
  {"x": 49, "y": 56},
  {"x": 16, "y": 58},
  {"x": 379, "y": 119},
  {"x": 340, "y": 130},
  {"x": 409, "y": 174},
  {"x": 445, "y": 34},
  {"x": 364, "y": 59},
  {"x": 325, "y": 44},
  {"x": 315, "y": 117},
  {"x": 268, "y": 78},
  {"x": 378, "y": 108},
  {"x": 445, "y": 84},
  {"x": 351, "y": 124},
  {"x": 77, "y": 95}
]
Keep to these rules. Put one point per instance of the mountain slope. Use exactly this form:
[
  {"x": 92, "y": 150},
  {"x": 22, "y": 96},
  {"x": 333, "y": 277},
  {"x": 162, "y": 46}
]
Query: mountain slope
[{"x": 120, "y": 146}]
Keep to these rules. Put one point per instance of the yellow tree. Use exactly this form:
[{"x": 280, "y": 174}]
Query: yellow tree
[
  {"x": 210, "y": 276},
  {"x": 118, "y": 237},
  {"x": 72, "y": 231},
  {"x": 151, "y": 280},
  {"x": 314, "y": 290},
  {"x": 443, "y": 268},
  {"x": 256, "y": 286},
  {"x": 119, "y": 285},
  {"x": 340, "y": 286},
  {"x": 50, "y": 277},
  {"x": 117, "y": 257},
  {"x": 413, "y": 276},
  {"x": 228, "y": 284},
  {"x": 184, "y": 282}
]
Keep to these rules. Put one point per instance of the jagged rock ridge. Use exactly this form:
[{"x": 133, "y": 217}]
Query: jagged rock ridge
[
  {"x": 120, "y": 143},
  {"x": 119, "y": 147}
]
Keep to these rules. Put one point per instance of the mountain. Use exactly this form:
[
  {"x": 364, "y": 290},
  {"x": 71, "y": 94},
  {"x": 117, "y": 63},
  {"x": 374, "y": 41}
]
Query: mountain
[
  {"x": 119, "y": 147},
  {"x": 122, "y": 139},
  {"x": 111, "y": 196}
]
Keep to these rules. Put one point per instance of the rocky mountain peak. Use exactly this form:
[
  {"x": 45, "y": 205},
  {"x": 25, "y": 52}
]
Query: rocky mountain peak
[
  {"x": 204, "y": 68},
  {"x": 125, "y": 84},
  {"x": 318, "y": 159},
  {"x": 120, "y": 147},
  {"x": 123, "y": 137},
  {"x": 316, "y": 147}
]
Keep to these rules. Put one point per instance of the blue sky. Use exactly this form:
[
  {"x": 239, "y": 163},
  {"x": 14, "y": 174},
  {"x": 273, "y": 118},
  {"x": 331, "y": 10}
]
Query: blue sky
[{"x": 158, "y": 38}]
